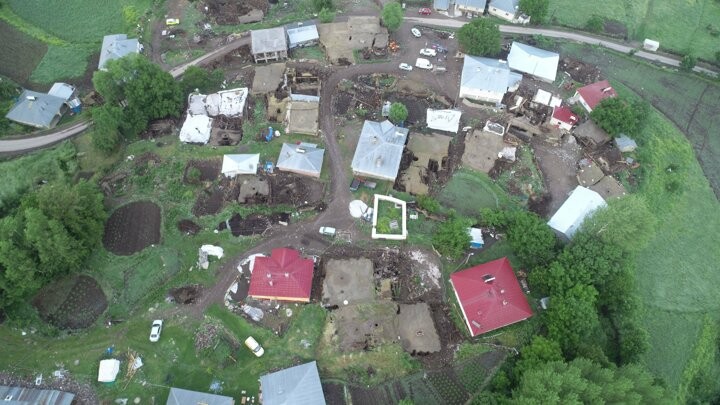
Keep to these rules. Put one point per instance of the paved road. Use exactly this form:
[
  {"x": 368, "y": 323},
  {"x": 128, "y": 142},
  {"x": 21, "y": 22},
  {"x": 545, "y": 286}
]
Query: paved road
[
  {"x": 573, "y": 36},
  {"x": 27, "y": 144}
]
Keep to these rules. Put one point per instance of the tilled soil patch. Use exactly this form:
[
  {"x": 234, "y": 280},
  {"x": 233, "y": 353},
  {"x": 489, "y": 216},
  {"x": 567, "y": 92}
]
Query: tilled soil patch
[
  {"x": 253, "y": 224},
  {"x": 334, "y": 393},
  {"x": 73, "y": 303},
  {"x": 188, "y": 227},
  {"x": 209, "y": 170},
  {"x": 295, "y": 190},
  {"x": 186, "y": 294},
  {"x": 132, "y": 228},
  {"x": 209, "y": 202}
]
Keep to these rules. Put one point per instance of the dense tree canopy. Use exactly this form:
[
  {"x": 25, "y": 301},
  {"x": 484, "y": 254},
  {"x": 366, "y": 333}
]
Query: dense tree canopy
[
  {"x": 392, "y": 15},
  {"x": 536, "y": 9},
  {"x": 480, "y": 37},
  {"x": 451, "y": 238},
  {"x": 626, "y": 222},
  {"x": 398, "y": 113},
  {"x": 530, "y": 237},
  {"x": 106, "y": 127},
  {"x": 197, "y": 78},
  {"x": 50, "y": 234},
  {"x": 572, "y": 318},
  {"x": 145, "y": 92},
  {"x": 541, "y": 350},
  {"x": 616, "y": 115},
  {"x": 585, "y": 382}
]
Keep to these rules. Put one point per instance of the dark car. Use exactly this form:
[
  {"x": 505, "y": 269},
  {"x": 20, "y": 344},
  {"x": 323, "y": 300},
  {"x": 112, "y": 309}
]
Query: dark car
[{"x": 355, "y": 184}]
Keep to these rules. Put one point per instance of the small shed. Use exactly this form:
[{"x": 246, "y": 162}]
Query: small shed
[
  {"x": 240, "y": 164},
  {"x": 564, "y": 118},
  {"x": 108, "y": 371},
  {"x": 581, "y": 203},
  {"x": 269, "y": 44},
  {"x": 625, "y": 143},
  {"x": 306, "y": 35},
  {"x": 476, "y": 238},
  {"x": 26, "y": 396},
  {"x": 651, "y": 45}
]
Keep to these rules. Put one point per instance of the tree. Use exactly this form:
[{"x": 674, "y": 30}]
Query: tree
[
  {"x": 197, "y": 78},
  {"x": 144, "y": 90},
  {"x": 398, "y": 113},
  {"x": 626, "y": 222},
  {"x": 326, "y": 15},
  {"x": 585, "y": 382},
  {"x": 131, "y": 16},
  {"x": 428, "y": 203},
  {"x": 595, "y": 24},
  {"x": 480, "y": 37},
  {"x": 540, "y": 350},
  {"x": 530, "y": 238},
  {"x": 392, "y": 15},
  {"x": 536, "y": 9},
  {"x": 106, "y": 125},
  {"x": 687, "y": 63},
  {"x": 406, "y": 401},
  {"x": 571, "y": 319},
  {"x": 617, "y": 116},
  {"x": 451, "y": 238}
]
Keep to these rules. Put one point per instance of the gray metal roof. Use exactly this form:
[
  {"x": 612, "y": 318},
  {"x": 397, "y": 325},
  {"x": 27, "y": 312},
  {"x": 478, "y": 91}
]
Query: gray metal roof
[
  {"x": 477, "y": 4},
  {"x": 62, "y": 90},
  {"x": 509, "y": 6},
  {"x": 32, "y": 396},
  {"x": 268, "y": 40},
  {"x": 115, "y": 47},
  {"x": 300, "y": 35},
  {"x": 36, "y": 109},
  {"x": 379, "y": 150},
  {"x": 571, "y": 214},
  {"x": 488, "y": 74},
  {"x": 301, "y": 158},
  {"x": 441, "y": 4},
  {"x": 179, "y": 396},
  {"x": 299, "y": 385},
  {"x": 533, "y": 61}
]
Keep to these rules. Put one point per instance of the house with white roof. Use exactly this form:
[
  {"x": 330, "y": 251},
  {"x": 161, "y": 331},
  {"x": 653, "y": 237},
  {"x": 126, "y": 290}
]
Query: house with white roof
[
  {"x": 240, "y": 164},
  {"x": 379, "y": 150},
  {"x": 505, "y": 9},
  {"x": 581, "y": 203},
  {"x": 536, "y": 62},
  {"x": 116, "y": 46},
  {"x": 303, "y": 158},
  {"x": 306, "y": 35},
  {"x": 268, "y": 45},
  {"x": 487, "y": 80}
]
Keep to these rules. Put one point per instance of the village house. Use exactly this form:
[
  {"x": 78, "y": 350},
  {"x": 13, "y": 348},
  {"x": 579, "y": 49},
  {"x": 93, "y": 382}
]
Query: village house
[
  {"x": 379, "y": 150},
  {"x": 303, "y": 158},
  {"x": 39, "y": 110},
  {"x": 283, "y": 276},
  {"x": 299, "y": 385},
  {"x": 536, "y": 62},
  {"x": 179, "y": 396},
  {"x": 306, "y": 35},
  {"x": 268, "y": 45},
  {"x": 591, "y": 95},
  {"x": 564, "y": 118},
  {"x": 507, "y": 10},
  {"x": 117, "y": 46},
  {"x": 569, "y": 217},
  {"x": 487, "y": 80}
]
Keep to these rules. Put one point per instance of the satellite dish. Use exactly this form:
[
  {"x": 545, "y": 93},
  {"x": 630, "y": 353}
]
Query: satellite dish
[{"x": 357, "y": 208}]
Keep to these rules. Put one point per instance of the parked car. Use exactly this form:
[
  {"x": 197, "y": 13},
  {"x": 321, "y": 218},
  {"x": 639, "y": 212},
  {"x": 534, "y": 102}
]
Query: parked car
[
  {"x": 439, "y": 48},
  {"x": 356, "y": 182},
  {"x": 254, "y": 346},
  {"x": 155, "y": 330},
  {"x": 425, "y": 11},
  {"x": 327, "y": 230},
  {"x": 172, "y": 21},
  {"x": 405, "y": 66},
  {"x": 416, "y": 32},
  {"x": 428, "y": 52},
  {"x": 423, "y": 63}
]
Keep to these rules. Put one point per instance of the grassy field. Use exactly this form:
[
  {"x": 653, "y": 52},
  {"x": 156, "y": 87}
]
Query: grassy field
[
  {"x": 469, "y": 191},
  {"x": 20, "y": 52},
  {"x": 680, "y": 26},
  {"x": 62, "y": 62}
]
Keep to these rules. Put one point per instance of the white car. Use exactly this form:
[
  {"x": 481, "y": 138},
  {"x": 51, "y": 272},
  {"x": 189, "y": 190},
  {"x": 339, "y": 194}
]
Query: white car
[
  {"x": 416, "y": 32},
  {"x": 428, "y": 52},
  {"x": 327, "y": 230},
  {"x": 254, "y": 346},
  {"x": 155, "y": 330},
  {"x": 405, "y": 66},
  {"x": 423, "y": 63}
]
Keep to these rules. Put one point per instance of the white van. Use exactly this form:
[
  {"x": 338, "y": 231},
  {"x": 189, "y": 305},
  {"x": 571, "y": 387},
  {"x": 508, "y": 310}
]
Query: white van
[
  {"x": 254, "y": 346},
  {"x": 423, "y": 63}
]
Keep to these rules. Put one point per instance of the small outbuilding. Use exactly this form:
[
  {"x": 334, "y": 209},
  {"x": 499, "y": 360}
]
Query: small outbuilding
[
  {"x": 303, "y": 158},
  {"x": 179, "y": 396},
  {"x": 581, "y": 203},
  {"x": 282, "y": 276},
  {"x": 651, "y": 45},
  {"x": 564, "y": 118},
  {"x": 268, "y": 45},
  {"x": 39, "y": 110},
  {"x": 299, "y": 385},
  {"x": 379, "y": 150},
  {"x": 240, "y": 164},
  {"x": 490, "y": 296},
  {"x": 591, "y": 95},
  {"x": 306, "y": 35},
  {"x": 504, "y": 9},
  {"x": 536, "y": 62},
  {"x": 117, "y": 46},
  {"x": 476, "y": 238},
  {"x": 487, "y": 80},
  {"x": 32, "y": 396}
]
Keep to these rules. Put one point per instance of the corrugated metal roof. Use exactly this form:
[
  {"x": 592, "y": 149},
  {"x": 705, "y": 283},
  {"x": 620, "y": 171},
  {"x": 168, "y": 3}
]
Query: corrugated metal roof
[
  {"x": 533, "y": 61},
  {"x": 300, "y": 35},
  {"x": 115, "y": 47},
  {"x": 299, "y": 385},
  {"x": 62, "y": 90},
  {"x": 487, "y": 74},
  {"x": 581, "y": 203},
  {"x": 379, "y": 150},
  {"x": 36, "y": 109},
  {"x": 32, "y": 396},
  {"x": 302, "y": 159},
  {"x": 179, "y": 396},
  {"x": 268, "y": 40},
  {"x": 476, "y": 4},
  {"x": 441, "y": 4},
  {"x": 509, "y": 6}
]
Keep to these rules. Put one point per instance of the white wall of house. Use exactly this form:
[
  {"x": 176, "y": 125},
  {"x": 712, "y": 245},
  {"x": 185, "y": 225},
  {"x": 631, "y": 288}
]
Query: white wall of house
[
  {"x": 582, "y": 102},
  {"x": 468, "y": 9},
  {"x": 560, "y": 124},
  {"x": 481, "y": 95},
  {"x": 510, "y": 17}
]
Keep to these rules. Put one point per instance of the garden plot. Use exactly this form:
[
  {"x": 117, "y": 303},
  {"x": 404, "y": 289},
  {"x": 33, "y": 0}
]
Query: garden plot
[
  {"x": 20, "y": 53},
  {"x": 253, "y": 224},
  {"x": 132, "y": 228},
  {"x": 348, "y": 281},
  {"x": 188, "y": 227},
  {"x": 202, "y": 170},
  {"x": 72, "y": 303}
]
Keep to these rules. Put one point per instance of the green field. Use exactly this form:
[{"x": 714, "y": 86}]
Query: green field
[
  {"x": 680, "y": 26},
  {"x": 62, "y": 62},
  {"x": 468, "y": 191},
  {"x": 20, "y": 53}
]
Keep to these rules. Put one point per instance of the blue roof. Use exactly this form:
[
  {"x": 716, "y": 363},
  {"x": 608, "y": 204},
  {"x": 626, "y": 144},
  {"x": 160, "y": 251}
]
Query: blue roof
[
  {"x": 36, "y": 109},
  {"x": 299, "y": 385}
]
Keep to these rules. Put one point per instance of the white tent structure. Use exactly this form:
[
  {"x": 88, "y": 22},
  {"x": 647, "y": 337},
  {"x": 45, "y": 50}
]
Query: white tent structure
[
  {"x": 240, "y": 164},
  {"x": 196, "y": 129},
  {"x": 109, "y": 370},
  {"x": 443, "y": 120},
  {"x": 581, "y": 203}
]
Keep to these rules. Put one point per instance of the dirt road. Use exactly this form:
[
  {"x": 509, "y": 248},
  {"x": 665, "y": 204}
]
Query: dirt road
[{"x": 13, "y": 146}]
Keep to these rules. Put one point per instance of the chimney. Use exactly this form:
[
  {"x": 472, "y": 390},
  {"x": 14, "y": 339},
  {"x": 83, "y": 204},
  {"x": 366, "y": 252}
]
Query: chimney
[
  {"x": 271, "y": 283},
  {"x": 475, "y": 324},
  {"x": 299, "y": 150},
  {"x": 505, "y": 302},
  {"x": 488, "y": 278}
]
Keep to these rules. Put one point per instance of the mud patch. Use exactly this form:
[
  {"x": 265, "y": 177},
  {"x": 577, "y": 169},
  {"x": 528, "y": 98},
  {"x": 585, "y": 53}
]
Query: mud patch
[
  {"x": 615, "y": 28},
  {"x": 132, "y": 228},
  {"x": 209, "y": 202},
  {"x": 188, "y": 227},
  {"x": 295, "y": 190},
  {"x": 186, "y": 294},
  {"x": 253, "y": 224},
  {"x": 71, "y": 303},
  {"x": 201, "y": 170}
]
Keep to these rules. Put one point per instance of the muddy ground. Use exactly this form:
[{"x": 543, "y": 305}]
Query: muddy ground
[
  {"x": 71, "y": 303},
  {"x": 209, "y": 170},
  {"x": 186, "y": 294},
  {"x": 132, "y": 228},
  {"x": 253, "y": 224},
  {"x": 188, "y": 227}
]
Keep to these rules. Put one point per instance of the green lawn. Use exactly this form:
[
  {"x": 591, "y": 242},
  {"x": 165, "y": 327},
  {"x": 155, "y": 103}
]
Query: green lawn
[
  {"x": 680, "y": 26},
  {"x": 62, "y": 62},
  {"x": 468, "y": 191}
]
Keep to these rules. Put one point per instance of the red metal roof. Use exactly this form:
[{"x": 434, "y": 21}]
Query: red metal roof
[
  {"x": 284, "y": 275},
  {"x": 594, "y": 93},
  {"x": 566, "y": 115},
  {"x": 490, "y": 296}
]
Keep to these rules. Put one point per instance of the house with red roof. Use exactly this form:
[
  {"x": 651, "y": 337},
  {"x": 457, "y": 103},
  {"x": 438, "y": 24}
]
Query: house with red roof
[
  {"x": 564, "y": 118},
  {"x": 282, "y": 276},
  {"x": 490, "y": 296},
  {"x": 592, "y": 94}
]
